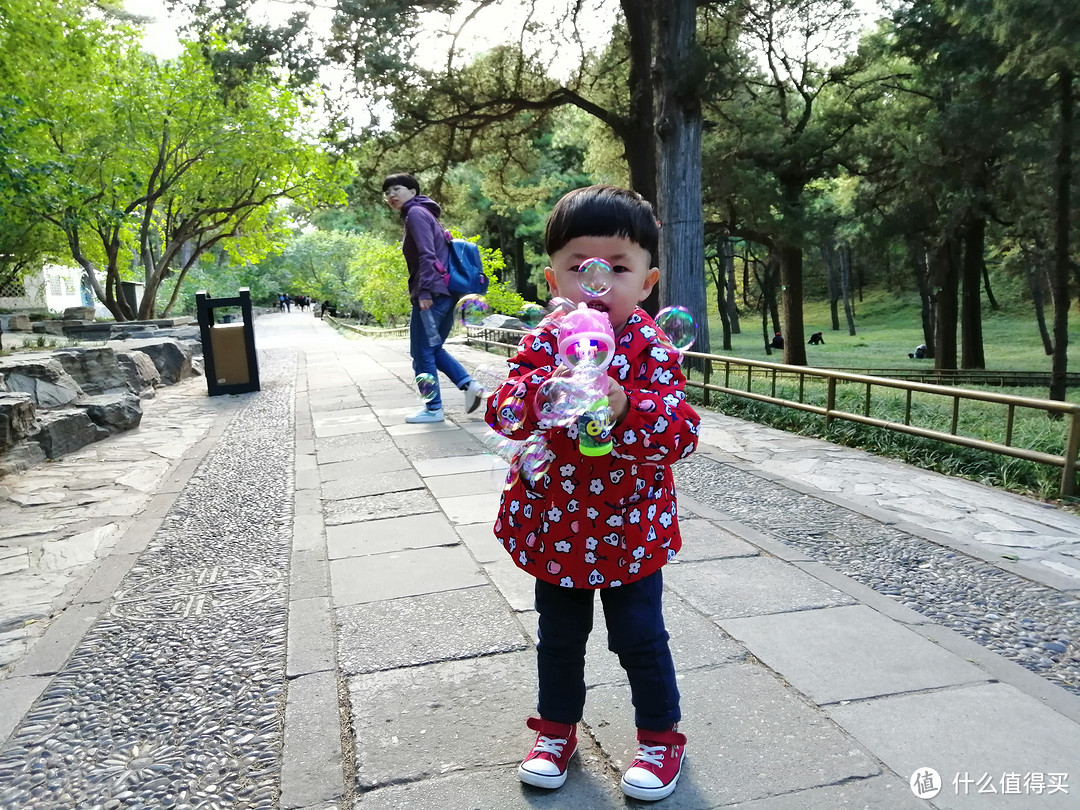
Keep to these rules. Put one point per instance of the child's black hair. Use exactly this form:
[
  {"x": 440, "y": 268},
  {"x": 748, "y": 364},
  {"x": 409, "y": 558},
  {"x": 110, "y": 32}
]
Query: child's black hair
[
  {"x": 404, "y": 180},
  {"x": 603, "y": 211}
]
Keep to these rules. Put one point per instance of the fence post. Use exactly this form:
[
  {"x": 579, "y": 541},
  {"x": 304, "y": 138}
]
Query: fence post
[
  {"x": 706, "y": 373},
  {"x": 830, "y": 401},
  {"x": 1072, "y": 449}
]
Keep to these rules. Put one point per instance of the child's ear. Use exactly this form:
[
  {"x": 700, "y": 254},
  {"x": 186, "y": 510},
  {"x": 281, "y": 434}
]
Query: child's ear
[
  {"x": 549, "y": 276},
  {"x": 651, "y": 278}
]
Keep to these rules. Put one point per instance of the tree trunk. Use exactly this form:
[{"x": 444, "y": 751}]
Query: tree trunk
[
  {"x": 731, "y": 300},
  {"x": 845, "y": 287},
  {"x": 678, "y": 130},
  {"x": 832, "y": 282},
  {"x": 720, "y": 283},
  {"x": 1063, "y": 213},
  {"x": 990, "y": 299},
  {"x": 921, "y": 271},
  {"x": 945, "y": 266},
  {"x": 971, "y": 335},
  {"x": 791, "y": 293},
  {"x": 1035, "y": 285}
]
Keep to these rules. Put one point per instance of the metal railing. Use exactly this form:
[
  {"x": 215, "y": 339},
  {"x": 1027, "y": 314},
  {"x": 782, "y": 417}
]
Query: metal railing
[
  {"x": 739, "y": 377},
  {"x": 370, "y": 331}
]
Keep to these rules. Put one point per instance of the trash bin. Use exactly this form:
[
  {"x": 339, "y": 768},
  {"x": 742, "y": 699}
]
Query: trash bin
[{"x": 229, "y": 356}]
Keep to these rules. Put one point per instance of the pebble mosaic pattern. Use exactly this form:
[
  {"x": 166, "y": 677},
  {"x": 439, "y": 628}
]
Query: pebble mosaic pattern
[
  {"x": 175, "y": 697},
  {"x": 1035, "y": 626}
]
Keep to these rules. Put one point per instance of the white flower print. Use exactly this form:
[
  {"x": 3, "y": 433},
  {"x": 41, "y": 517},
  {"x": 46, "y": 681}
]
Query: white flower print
[
  {"x": 633, "y": 568},
  {"x": 635, "y": 515},
  {"x": 652, "y": 511},
  {"x": 665, "y": 519},
  {"x": 563, "y": 546},
  {"x": 658, "y": 354},
  {"x": 648, "y": 332},
  {"x": 664, "y": 376},
  {"x": 591, "y": 513},
  {"x": 591, "y": 543},
  {"x": 590, "y": 557},
  {"x": 554, "y": 514},
  {"x": 568, "y": 486},
  {"x": 614, "y": 520},
  {"x": 567, "y": 470},
  {"x": 522, "y": 559},
  {"x": 596, "y": 486},
  {"x": 615, "y": 583},
  {"x": 511, "y": 544},
  {"x": 639, "y": 552},
  {"x": 629, "y": 437},
  {"x": 661, "y": 425},
  {"x": 672, "y": 401},
  {"x": 515, "y": 505},
  {"x": 566, "y": 582}
]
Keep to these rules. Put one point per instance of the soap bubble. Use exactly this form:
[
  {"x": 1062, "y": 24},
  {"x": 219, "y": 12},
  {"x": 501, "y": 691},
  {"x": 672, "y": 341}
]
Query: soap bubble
[
  {"x": 556, "y": 402},
  {"x": 596, "y": 277},
  {"x": 511, "y": 413},
  {"x": 531, "y": 314},
  {"x": 533, "y": 457},
  {"x": 678, "y": 325},
  {"x": 472, "y": 309},
  {"x": 427, "y": 386},
  {"x": 587, "y": 351}
]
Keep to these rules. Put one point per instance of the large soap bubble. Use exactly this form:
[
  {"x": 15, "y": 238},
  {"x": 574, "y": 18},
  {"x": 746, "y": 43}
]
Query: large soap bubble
[
  {"x": 531, "y": 314},
  {"x": 427, "y": 386},
  {"x": 678, "y": 325},
  {"x": 472, "y": 309},
  {"x": 595, "y": 277}
]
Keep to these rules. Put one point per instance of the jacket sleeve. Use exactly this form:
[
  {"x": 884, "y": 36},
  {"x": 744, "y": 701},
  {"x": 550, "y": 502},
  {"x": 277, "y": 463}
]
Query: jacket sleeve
[
  {"x": 430, "y": 278},
  {"x": 511, "y": 408},
  {"x": 660, "y": 426}
]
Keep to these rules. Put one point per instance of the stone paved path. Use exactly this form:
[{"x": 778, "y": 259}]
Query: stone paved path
[{"x": 306, "y": 609}]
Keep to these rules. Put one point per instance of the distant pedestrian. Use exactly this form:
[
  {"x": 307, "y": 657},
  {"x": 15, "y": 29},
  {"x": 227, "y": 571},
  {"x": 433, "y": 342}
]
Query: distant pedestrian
[
  {"x": 604, "y": 522},
  {"x": 919, "y": 353},
  {"x": 427, "y": 255},
  {"x": 817, "y": 339},
  {"x": 777, "y": 341}
]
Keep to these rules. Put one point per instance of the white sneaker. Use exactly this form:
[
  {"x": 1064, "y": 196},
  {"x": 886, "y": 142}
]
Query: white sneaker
[
  {"x": 474, "y": 395},
  {"x": 425, "y": 416}
]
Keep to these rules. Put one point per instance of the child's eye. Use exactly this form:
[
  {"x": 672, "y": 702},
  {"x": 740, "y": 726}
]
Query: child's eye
[{"x": 620, "y": 269}]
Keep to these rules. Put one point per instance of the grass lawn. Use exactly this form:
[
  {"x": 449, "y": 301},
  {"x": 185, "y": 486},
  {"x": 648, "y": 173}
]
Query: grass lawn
[{"x": 887, "y": 328}]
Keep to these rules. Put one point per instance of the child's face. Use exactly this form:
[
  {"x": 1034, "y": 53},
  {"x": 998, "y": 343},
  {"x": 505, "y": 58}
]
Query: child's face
[{"x": 632, "y": 280}]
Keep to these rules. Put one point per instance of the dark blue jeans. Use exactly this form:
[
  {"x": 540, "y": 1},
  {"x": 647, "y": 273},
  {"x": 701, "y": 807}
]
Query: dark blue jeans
[
  {"x": 428, "y": 329},
  {"x": 636, "y": 633}
]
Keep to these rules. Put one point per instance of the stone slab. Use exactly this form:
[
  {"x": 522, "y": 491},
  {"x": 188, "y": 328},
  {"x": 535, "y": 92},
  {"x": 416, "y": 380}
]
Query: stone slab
[
  {"x": 377, "y": 507},
  {"x": 406, "y": 573},
  {"x": 885, "y": 792},
  {"x": 425, "y": 629},
  {"x": 311, "y": 640},
  {"x": 371, "y": 484},
  {"x": 474, "y": 483},
  {"x": 389, "y": 534},
  {"x": 749, "y": 737},
  {"x": 848, "y": 653},
  {"x": 17, "y": 695},
  {"x": 481, "y": 542},
  {"x": 517, "y": 587},
  {"x": 454, "y": 465},
  {"x": 444, "y": 444},
  {"x": 702, "y": 540},
  {"x": 309, "y": 574},
  {"x": 751, "y": 586},
  {"x": 374, "y": 464},
  {"x": 51, "y": 651},
  {"x": 991, "y": 729},
  {"x": 311, "y": 772},
  {"x": 420, "y": 722},
  {"x": 500, "y": 789},
  {"x": 472, "y": 508},
  {"x": 352, "y": 448}
]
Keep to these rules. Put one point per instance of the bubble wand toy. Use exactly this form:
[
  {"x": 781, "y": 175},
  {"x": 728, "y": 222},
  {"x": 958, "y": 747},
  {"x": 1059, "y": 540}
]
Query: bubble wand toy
[{"x": 587, "y": 344}]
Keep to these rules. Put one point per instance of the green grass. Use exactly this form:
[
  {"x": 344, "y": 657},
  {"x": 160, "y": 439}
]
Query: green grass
[{"x": 887, "y": 328}]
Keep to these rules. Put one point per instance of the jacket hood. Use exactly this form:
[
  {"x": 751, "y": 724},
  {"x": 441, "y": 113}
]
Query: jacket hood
[{"x": 425, "y": 202}]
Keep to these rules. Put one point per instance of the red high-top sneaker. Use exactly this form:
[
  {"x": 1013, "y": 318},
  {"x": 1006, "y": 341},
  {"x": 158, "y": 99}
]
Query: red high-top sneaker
[
  {"x": 545, "y": 766},
  {"x": 655, "y": 770}
]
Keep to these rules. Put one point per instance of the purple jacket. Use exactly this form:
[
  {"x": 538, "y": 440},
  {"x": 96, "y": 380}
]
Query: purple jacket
[{"x": 426, "y": 251}]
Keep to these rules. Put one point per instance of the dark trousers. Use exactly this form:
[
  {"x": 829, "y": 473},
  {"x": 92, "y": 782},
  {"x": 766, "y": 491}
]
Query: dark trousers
[{"x": 636, "y": 633}]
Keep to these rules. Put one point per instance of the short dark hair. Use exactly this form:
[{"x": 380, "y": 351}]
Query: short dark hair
[
  {"x": 406, "y": 180},
  {"x": 603, "y": 211}
]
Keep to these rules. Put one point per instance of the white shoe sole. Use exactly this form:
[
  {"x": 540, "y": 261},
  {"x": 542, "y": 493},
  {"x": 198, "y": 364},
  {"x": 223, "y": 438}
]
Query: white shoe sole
[
  {"x": 652, "y": 794},
  {"x": 542, "y": 780}
]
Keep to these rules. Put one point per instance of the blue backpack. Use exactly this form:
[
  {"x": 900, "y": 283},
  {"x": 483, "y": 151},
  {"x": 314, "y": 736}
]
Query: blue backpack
[{"x": 466, "y": 270}]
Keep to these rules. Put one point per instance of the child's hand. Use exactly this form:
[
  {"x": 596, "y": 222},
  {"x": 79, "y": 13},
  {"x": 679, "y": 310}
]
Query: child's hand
[{"x": 620, "y": 405}]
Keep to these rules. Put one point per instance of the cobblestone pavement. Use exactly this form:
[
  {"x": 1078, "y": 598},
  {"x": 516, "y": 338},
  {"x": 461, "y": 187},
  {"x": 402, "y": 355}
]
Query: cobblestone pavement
[{"x": 293, "y": 599}]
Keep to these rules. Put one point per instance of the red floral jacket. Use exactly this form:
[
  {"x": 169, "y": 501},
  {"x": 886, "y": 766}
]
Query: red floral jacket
[{"x": 604, "y": 521}]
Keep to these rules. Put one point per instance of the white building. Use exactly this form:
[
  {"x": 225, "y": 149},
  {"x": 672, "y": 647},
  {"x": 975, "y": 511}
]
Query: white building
[{"x": 54, "y": 288}]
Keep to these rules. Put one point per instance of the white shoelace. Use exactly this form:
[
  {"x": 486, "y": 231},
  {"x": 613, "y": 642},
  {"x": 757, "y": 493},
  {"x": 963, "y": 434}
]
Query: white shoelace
[
  {"x": 549, "y": 745},
  {"x": 652, "y": 754}
]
